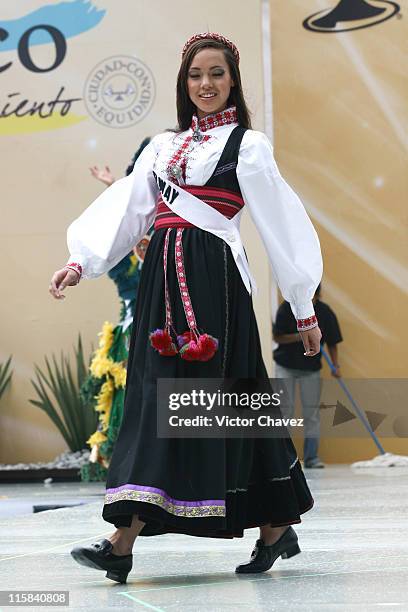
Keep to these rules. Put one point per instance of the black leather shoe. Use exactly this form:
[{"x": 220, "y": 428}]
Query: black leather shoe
[
  {"x": 264, "y": 556},
  {"x": 99, "y": 556}
]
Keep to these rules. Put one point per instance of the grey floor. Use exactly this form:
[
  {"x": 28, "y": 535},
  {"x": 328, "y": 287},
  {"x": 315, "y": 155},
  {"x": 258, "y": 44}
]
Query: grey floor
[{"x": 354, "y": 543}]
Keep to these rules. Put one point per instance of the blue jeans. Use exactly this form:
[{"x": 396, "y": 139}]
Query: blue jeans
[{"x": 310, "y": 387}]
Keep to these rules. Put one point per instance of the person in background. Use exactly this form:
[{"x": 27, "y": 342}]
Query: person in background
[
  {"x": 126, "y": 276},
  {"x": 291, "y": 364},
  {"x": 105, "y": 174},
  {"x": 126, "y": 273}
]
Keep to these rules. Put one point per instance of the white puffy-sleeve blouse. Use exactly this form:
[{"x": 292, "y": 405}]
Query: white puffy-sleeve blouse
[
  {"x": 108, "y": 229},
  {"x": 117, "y": 220},
  {"x": 289, "y": 237}
]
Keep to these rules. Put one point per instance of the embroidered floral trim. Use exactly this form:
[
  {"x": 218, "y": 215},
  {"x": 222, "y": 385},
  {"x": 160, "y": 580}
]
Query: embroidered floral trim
[
  {"x": 169, "y": 322},
  {"x": 182, "y": 281},
  {"x": 76, "y": 267},
  {"x": 158, "y": 497},
  {"x": 305, "y": 324},
  {"x": 177, "y": 166},
  {"x": 224, "y": 117}
]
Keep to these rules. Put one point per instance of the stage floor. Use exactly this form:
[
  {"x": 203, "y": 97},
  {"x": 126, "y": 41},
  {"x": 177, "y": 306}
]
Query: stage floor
[{"x": 354, "y": 543}]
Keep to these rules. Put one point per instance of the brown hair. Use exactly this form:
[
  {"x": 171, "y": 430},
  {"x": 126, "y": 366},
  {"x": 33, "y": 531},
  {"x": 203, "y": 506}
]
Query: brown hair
[{"x": 185, "y": 107}]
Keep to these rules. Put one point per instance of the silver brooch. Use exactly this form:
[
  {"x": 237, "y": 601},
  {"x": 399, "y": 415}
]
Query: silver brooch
[
  {"x": 197, "y": 136},
  {"x": 176, "y": 172}
]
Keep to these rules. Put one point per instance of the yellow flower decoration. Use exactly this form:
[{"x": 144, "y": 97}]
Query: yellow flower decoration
[
  {"x": 101, "y": 363},
  {"x": 100, "y": 366},
  {"x": 104, "y": 420},
  {"x": 96, "y": 439},
  {"x": 106, "y": 335},
  {"x": 104, "y": 398},
  {"x": 133, "y": 264},
  {"x": 115, "y": 374},
  {"x": 119, "y": 374}
]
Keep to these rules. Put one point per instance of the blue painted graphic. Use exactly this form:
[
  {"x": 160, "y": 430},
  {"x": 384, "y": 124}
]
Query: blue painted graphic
[{"x": 71, "y": 18}]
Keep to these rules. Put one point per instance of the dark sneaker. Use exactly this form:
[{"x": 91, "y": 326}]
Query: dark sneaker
[{"x": 314, "y": 464}]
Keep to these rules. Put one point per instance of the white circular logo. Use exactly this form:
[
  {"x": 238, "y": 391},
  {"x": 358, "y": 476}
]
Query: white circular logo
[{"x": 119, "y": 91}]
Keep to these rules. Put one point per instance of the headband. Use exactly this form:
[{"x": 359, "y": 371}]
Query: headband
[{"x": 211, "y": 36}]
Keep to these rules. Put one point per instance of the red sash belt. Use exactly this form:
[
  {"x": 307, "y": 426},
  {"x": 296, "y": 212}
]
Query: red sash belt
[{"x": 226, "y": 202}]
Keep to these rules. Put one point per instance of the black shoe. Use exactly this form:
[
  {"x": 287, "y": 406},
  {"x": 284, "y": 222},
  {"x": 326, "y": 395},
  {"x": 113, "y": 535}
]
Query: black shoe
[
  {"x": 264, "y": 556},
  {"x": 99, "y": 556}
]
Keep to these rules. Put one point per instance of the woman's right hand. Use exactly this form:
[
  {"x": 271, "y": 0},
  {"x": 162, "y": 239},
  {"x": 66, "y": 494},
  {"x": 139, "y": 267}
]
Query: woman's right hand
[{"x": 61, "y": 279}]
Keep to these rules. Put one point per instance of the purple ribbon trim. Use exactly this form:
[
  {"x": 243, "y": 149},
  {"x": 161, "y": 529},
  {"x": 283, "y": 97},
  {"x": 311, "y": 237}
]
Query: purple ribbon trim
[{"x": 176, "y": 502}]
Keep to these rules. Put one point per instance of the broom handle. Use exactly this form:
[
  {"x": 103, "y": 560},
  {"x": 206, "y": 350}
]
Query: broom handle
[{"x": 359, "y": 412}]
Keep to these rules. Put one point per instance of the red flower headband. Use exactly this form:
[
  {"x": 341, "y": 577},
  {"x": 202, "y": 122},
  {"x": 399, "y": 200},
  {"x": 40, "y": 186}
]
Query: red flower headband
[{"x": 212, "y": 36}]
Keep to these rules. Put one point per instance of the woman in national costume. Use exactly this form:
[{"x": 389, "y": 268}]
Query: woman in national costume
[{"x": 194, "y": 318}]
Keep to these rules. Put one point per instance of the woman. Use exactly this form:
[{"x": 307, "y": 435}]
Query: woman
[
  {"x": 196, "y": 278},
  {"x": 103, "y": 387}
]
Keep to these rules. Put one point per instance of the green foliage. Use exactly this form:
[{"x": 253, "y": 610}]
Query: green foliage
[
  {"x": 93, "y": 472},
  {"x": 90, "y": 389},
  {"x": 60, "y": 398},
  {"x": 5, "y": 375}
]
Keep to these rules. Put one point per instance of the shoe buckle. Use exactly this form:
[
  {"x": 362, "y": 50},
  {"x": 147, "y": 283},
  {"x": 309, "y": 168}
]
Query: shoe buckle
[{"x": 254, "y": 553}]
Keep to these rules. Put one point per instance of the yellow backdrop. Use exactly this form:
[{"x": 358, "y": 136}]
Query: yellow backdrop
[
  {"x": 340, "y": 121},
  {"x": 339, "y": 115},
  {"x": 46, "y": 182}
]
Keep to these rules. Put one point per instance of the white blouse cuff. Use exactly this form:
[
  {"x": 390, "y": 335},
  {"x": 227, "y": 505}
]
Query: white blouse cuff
[
  {"x": 303, "y": 311},
  {"x": 77, "y": 259}
]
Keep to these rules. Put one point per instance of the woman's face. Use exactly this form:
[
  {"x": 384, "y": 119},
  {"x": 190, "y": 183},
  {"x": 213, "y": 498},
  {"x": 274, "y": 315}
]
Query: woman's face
[{"x": 209, "y": 82}]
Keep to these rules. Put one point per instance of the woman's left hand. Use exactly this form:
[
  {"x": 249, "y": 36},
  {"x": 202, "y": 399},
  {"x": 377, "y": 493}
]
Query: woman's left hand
[
  {"x": 311, "y": 341},
  {"x": 103, "y": 175}
]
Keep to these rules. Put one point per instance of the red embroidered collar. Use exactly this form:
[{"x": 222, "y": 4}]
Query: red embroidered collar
[
  {"x": 176, "y": 168},
  {"x": 224, "y": 117}
]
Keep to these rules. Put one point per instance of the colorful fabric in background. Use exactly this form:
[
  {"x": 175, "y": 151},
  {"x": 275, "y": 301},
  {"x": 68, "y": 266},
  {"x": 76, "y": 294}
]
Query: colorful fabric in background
[{"x": 105, "y": 385}]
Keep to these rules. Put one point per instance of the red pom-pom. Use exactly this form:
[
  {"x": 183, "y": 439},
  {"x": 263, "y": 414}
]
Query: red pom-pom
[
  {"x": 191, "y": 348},
  {"x": 185, "y": 338},
  {"x": 201, "y": 350},
  {"x": 169, "y": 351},
  {"x": 189, "y": 351},
  {"x": 162, "y": 341},
  {"x": 208, "y": 346}
]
